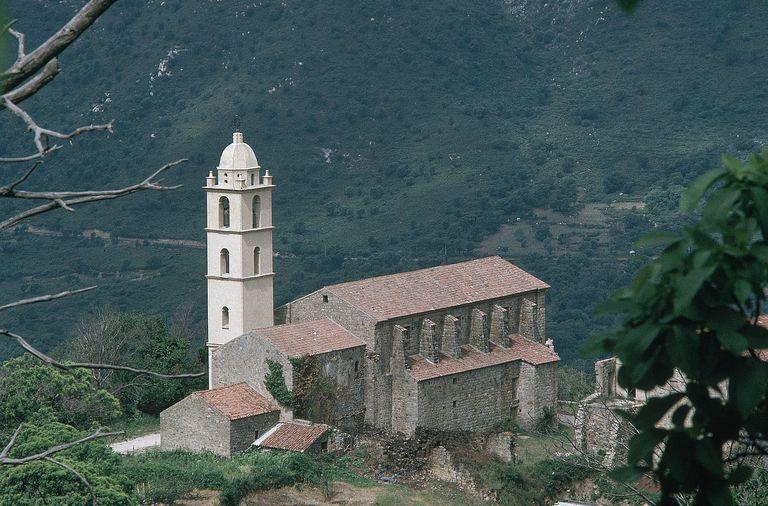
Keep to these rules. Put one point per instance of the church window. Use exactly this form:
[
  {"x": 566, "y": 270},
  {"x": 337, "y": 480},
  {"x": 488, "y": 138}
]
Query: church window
[
  {"x": 256, "y": 211},
  {"x": 324, "y": 446},
  {"x": 256, "y": 435},
  {"x": 357, "y": 365},
  {"x": 224, "y": 212},
  {"x": 325, "y": 298},
  {"x": 454, "y": 381},
  {"x": 256, "y": 260},
  {"x": 253, "y": 179},
  {"x": 454, "y": 404},
  {"x": 225, "y": 317},
  {"x": 224, "y": 261}
]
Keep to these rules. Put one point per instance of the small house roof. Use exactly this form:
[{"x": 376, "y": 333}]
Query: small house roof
[
  {"x": 471, "y": 359},
  {"x": 237, "y": 401},
  {"x": 425, "y": 290},
  {"x": 294, "y": 436},
  {"x": 312, "y": 337}
]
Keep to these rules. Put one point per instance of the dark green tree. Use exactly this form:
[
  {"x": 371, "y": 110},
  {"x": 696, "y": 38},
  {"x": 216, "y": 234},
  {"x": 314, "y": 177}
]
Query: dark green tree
[
  {"x": 28, "y": 386},
  {"x": 74, "y": 476},
  {"x": 695, "y": 310}
]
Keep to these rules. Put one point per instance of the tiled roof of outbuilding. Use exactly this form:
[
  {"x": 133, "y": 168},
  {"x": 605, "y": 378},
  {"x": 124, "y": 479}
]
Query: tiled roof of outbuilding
[
  {"x": 237, "y": 401},
  {"x": 407, "y": 293},
  {"x": 309, "y": 338},
  {"x": 293, "y": 436},
  {"x": 471, "y": 359}
]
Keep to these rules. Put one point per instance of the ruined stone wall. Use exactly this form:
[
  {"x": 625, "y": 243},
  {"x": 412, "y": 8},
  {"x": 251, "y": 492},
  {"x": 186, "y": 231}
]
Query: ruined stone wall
[
  {"x": 245, "y": 431},
  {"x": 537, "y": 390},
  {"x": 599, "y": 432},
  {"x": 474, "y": 400},
  {"x": 345, "y": 369},
  {"x": 192, "y": 425}
]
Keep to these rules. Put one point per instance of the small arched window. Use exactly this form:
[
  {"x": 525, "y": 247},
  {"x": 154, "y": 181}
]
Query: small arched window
[
  {"x": 256, "y": 211},
  {"x": 224, "y": 212},
  {"x": 224, "y": 261},
  {"x": 253, "y": 179},
  {"x": 225, "y": 317},
  {"x": 256, "y": 260}
]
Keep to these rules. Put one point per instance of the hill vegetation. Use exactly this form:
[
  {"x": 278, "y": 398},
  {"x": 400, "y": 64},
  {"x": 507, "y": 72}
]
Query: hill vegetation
[{"x": 401, "y": 135}]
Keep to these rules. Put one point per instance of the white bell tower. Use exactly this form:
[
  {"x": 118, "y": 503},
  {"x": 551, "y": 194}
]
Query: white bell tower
[{"x": 239, "y": 237}]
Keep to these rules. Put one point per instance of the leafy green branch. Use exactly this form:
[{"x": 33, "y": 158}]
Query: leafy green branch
[{"x": 694, "y": 310}]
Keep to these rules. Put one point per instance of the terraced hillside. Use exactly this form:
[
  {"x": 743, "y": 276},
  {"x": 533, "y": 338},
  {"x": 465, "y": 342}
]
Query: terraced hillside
[{"x": 400, "y": 134}]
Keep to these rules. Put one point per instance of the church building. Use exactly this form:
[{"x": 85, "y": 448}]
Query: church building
[{"x": 453, "y": 347}]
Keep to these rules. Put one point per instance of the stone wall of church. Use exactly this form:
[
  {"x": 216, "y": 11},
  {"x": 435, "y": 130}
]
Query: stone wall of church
[
  {"x": 537, "y": 390},
  {"x": 476, "y": 324},
  {"x": 346, "y": 371},
  {"x": 193, "y": 425},
  {"x": 324, "y": 303},
  {"x": 525, "y": 316},
  {"x": 245, "y": 431},
  {"x": 474, "y": 400}
]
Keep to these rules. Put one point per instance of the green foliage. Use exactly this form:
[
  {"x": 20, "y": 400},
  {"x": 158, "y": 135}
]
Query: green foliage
[
  {"x": 275, "y": 383},
  {"x": 547, "y": 423},
  {"x": 694, "y": 309},
  {"x": 313, "y": 394},
  {"x": 165, "y": 476},
  {"x": 147, "y": 343},
  {"x": 574, "y": 384},
  {"x": 535, "y": 484},
  {"x": 753, "y": 491},
  {"x": 28, "y": 386},
  {"x": 42, "y": 482}
]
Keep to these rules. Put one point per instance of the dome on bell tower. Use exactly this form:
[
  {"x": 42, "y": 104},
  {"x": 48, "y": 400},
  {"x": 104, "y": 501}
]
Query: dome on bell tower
[{"x": 238, "y": 155}]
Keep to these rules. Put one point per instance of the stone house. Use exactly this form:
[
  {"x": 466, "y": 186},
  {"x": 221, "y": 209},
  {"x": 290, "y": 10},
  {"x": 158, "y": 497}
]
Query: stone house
[{"x": 223, "y": 420}]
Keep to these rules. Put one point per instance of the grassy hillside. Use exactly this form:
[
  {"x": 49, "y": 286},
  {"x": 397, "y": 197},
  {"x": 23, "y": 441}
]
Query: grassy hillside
[{"x": 400, "y": 135}]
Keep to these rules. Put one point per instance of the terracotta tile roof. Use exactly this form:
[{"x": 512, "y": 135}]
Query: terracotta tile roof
[
  {"x": 471, "y": 359},
  {"x": 309, "y": 338},
  {"x": 294, "y": 436},
  {"x": 237, "y": 401},
  {"x": 407, "y": 293}
]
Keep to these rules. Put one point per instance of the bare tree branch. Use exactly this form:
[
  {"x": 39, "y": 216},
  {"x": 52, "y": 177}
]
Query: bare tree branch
[
  {"x": 86, "y": 365},
  {"x": 67, "y": 200},
  {"x": 80, "y": 476},
  {"x": 23, "y": 178},
  {"x": 20, "y": 38},
  {"x": 4, "y": 459},
  {"x": 8, "y": 447},
  {"x": 29, "y": 158},
  {"x": 27, "y": 66},
  {"x": 46, "y": 298},
  {"x": 44, "y": 133},
  {"x": 29, "y": 88}
]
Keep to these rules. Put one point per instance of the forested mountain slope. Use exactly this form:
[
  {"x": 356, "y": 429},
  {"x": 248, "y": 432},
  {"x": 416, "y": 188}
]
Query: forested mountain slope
[{"x": 400, "y": 135}]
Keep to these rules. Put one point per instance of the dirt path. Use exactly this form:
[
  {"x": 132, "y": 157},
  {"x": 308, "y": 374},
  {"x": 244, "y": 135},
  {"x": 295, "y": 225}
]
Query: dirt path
[
  {"x": 122, "y": 241},
  {"x": 137, "y": 444}
]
